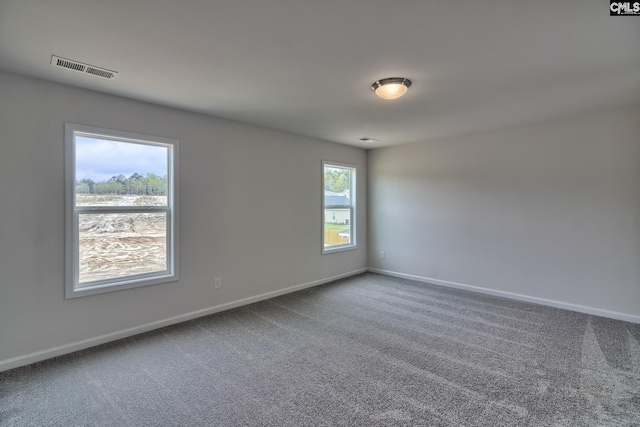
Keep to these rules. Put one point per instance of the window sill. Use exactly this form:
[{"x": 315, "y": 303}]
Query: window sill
[
  {"x": 334, "y": 249},
  {"x": 119, "y": 286}
]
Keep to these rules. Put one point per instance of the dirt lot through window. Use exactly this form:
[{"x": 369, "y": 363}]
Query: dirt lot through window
[{"x": 121, "y": 244}]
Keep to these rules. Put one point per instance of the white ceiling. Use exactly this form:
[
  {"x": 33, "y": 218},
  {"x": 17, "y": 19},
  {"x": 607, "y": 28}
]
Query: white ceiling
[{"x": 306, "y": 66}]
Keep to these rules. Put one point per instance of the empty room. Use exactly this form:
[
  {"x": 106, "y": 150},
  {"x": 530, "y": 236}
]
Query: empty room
[{"x": 319, "y": 213}]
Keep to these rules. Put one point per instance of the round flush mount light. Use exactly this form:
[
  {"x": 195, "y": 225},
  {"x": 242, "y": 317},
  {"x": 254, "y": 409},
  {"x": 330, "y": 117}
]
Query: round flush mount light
[{"x": 391, "y": 88}]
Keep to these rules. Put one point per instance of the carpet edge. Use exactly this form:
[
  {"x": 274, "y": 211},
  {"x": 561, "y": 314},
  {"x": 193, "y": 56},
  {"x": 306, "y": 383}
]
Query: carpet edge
[
  {"x": 49, "y": 353},
  {"x": 510, "y": 295}
]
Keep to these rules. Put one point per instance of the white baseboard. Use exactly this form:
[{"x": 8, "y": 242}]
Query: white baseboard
[
  {"x": 27, "y": 359},
  {"x": 551, "y": 303}
]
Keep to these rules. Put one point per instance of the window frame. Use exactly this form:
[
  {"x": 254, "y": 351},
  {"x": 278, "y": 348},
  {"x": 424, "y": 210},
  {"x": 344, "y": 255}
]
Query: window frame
[
  {"x": 73, "y": 288},
  {"x": 352, "y": 207}
]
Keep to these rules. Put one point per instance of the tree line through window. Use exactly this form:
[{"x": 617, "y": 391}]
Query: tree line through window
[{"x": 138, "y": 184}]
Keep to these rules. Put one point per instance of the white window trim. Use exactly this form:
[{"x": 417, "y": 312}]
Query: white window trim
[
  {"x": 171, "y": 274},
  {"x": 353, "y": 196}
]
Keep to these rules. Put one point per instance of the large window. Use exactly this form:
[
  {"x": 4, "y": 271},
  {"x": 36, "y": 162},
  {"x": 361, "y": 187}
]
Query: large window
[
  {"x": 122, "y": 211},
  {"x": 338, "y": 207}
]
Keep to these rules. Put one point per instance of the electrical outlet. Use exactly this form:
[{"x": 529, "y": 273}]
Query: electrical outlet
[
  {"x": 217, "y": 282},
  {"x": 381, "y": 254}
]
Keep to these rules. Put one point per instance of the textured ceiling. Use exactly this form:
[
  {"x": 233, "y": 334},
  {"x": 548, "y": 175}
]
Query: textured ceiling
[{"x": 305, "y": 66}]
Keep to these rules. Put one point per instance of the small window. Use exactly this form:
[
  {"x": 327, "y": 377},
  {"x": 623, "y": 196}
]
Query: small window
[
  {"x": 122, "y": 210},
  {"x": 338, "y": 207}
]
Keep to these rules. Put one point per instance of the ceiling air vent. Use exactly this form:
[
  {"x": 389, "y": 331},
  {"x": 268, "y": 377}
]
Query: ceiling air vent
[
  {"x": 81, "y": 67},
  {"x": 367, "y": 139}
]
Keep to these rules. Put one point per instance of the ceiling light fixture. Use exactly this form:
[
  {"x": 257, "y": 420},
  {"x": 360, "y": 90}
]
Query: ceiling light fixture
[{"x": 391, "y": 88}]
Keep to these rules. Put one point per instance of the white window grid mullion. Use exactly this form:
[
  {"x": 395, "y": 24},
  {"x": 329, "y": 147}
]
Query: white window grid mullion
[
  {"x": 338, "y": 206},
  {"x": 120, "y": 209}
]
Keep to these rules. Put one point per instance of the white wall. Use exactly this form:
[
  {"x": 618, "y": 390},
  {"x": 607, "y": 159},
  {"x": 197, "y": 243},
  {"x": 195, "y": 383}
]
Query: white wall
[
  {"x": 250, "y": 213},
  {"x": 549, "y": 210}
]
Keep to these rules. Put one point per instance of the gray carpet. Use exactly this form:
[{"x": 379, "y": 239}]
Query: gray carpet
[{"x": 365, "y": 351}]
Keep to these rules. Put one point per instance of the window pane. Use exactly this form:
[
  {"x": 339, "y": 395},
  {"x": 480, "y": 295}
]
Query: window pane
[
  {"x": 339, "y": 206},
  {"x": 122, "y": 244},
  {"x": 337, "y": 180},
  {"x": 118, "y": 173},
  {"x": 337, "y": 227}
]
